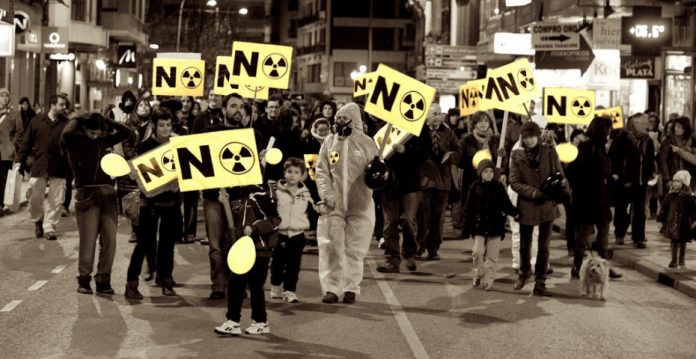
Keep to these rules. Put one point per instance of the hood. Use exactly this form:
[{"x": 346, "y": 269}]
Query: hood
[
  {"x": 128, "y": 94},
  {"x": 352, "y": 111},
  {"x": 330, "y": 103},
  {"x": 314, "y": 129}
]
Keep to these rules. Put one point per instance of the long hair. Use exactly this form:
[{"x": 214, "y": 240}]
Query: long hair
[{"x": 599, "y": 129}]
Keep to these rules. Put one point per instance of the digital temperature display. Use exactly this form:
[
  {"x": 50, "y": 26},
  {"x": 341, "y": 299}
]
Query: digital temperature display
[{"x": 647, "y": 31}]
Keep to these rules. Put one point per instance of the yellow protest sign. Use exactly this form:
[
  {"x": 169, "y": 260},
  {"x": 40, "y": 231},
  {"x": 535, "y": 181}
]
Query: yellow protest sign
[
  {"x": 614, "y": 113},
  {"x": 469, "y": 95},
  {"x": 363, "y": 84},
  {"x": 509, "y": 86},
  {"x": 217, "y": 159},
  {"x": 174, "y": 77},
  {"x": 223, "y": 86},
  {"x": 485, "y": 106},
  {"x": 397, "y": 136},
  {"x": 311, "y": 164},
  {"x": 261, "y": 64},
  {"x": 566, "y": 105},
  {"x": 399, "y": 99},
  {"x": 155, "y": 171}
]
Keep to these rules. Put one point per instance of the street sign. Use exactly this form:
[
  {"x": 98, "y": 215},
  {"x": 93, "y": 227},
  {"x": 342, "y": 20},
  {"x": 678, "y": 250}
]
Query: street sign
[
  {"x": 637, "y": 67},
  {"x": 443, "y": 86},
  {"x": 510, "y": 43},
  {"x": 448, "y": 66},
  {"x": 548, "y": 36},
  {"x": 567, "y": 59},
  {"x": 463, "y": 73}
]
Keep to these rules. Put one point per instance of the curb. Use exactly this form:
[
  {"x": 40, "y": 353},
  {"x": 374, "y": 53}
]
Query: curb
[{"x": 657, "y": 273}]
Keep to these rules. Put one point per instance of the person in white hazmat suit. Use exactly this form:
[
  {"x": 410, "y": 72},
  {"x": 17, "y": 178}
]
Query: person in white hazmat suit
[{"x": 347, "y": 210}]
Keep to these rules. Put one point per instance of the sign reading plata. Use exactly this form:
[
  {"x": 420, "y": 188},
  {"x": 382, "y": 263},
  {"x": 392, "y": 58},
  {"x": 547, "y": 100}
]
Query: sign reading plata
[
  {"x": 548, "y": 36},
  {"x": 637, "y": 67},
  {"x": 175, "y": 77}
]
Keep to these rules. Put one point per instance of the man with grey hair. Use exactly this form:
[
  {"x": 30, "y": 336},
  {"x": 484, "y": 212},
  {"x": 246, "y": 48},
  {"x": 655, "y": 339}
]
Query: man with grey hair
[{"x": 632, "y": 156}]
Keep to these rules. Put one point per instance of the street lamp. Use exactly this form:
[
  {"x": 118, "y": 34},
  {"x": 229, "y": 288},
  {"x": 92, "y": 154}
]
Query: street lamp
[
  {"x": 243, "y": 11},
  {"x": 211, "y": 3}
]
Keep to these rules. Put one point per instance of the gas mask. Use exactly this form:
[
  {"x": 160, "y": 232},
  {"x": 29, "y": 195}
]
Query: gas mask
[{"x": 343, "y": 130}]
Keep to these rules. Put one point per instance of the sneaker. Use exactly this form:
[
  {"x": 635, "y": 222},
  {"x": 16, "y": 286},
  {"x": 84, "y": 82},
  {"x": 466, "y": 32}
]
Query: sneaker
[
  {"x": 673, "y": 264},
  {"x": 229, "y": 328},
  {"x": 204, "y": 242},
  {"x": 619, "y": 241},
  {"x": 521, "y": 281},
  {"x": 434, "y": 257},
  {"x": 51, "y": 236},
  {"x": 540, "y": 290},
  {"x": 388, "y": 267},
  {"x": 216, "y": 295},
  {"x": 476, "y": 282},
  {"x": 380, "y": 244},
  {"x": 411, "y": 264},
  {"x": 349, "y": 297},
  {"x": 640, "y": 245},
  {"x": 38, "y": 229},
  {"x": 330, "y": 298},
  {"x": 276, "y": 292},
  {"x": 290, "y": 297},
  {"x": 258, "y": 328}
]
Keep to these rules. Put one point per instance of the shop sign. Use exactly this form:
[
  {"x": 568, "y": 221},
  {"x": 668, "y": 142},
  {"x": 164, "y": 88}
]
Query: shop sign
[
  {"x": 62, "y": 57},
  {"x": 637, "y": 67},
  {"x": 126, "y": 56},
  {"x": 55, "y": 40},
  {"x": 6, "y": 40},
  {"x": 606, "y": 33},
  {"x": 547, "y": 36},
  {"x": 512, "y": 43}
]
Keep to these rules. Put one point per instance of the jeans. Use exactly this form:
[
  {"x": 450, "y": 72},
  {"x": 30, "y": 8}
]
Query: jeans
[
  {"x": 286, "y": 261},
  {"x": 542, "y": 250},
  {"x": 168, "y": 219},
  {"x": 191, "y": 212},
  {"x": 56, "y": 195},
  {"x": 583, "y": 241},
  {"x": 433, "y": 203},
  {"x": 635, "y": 197},
  {"x": 220, "y": 242},
  {"x": 254, "y": 279},
  {"x": 4, "y": 167},
  {"x": 98, "y": 221},
  {"x": 390, "y": 207}
]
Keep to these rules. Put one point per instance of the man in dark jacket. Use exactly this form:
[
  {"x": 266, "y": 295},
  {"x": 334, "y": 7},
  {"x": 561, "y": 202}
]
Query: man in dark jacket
[
  {"x": 42, "y": 139},
  {"x": 632, "y": 156},
  {"x": 212, "y": 115},
  {"x": 96, "y": 208},
  {"x": 266, "y": 123},
  {"x": 402, "y": 192}
]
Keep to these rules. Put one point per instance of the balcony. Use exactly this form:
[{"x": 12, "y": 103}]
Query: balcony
[
  {"x": 86, "y": 36},
  {"x": 321, "y": 15},
  {"x": 124, "y": 27},
  {"x": 318, "y": 48}
]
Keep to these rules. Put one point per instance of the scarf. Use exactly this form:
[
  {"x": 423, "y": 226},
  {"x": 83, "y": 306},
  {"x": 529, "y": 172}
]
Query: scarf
[{"x": 482, "y": 138}]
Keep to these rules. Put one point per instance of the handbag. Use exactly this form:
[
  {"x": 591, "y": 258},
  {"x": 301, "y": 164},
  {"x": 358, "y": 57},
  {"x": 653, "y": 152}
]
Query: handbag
[
  {"x": 131, "y": 206},
  {"x": 13, "y": 187}
]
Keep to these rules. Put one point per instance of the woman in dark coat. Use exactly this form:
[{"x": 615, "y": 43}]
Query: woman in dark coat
[
  {"x": 26, "y": 111},
  {"x": 591, "y": 193},
  {"x": 670, "y": 161}
]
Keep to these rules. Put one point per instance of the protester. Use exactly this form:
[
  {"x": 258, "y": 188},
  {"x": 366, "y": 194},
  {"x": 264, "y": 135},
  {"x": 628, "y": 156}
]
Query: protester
[
  {"x": 347, "y": 212},
  {"x": 87, "y": 141},
  {"x": 287, "y": 140},
  {"x": 212, "y": 116},
  {"x": 11, "y": 129},
  {"x": 121, "y": 112},
  {"x": 670, "y": 162},
  {"x": 577, "y": 137},
  {"x": 26, "y": 111},
  {"x": 268, "y": 121},
  {"x": 195, "y": 111},
  {"x": 678, "y": 213}
]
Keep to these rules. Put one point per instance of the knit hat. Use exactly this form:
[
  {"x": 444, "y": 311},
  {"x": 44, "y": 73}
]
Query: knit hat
[
  {"x": 4, "y": 90},
  {"x": 485, "y": 163},
  {"x": 684, "y": 177},
  {"x": 530, "y": 129}
]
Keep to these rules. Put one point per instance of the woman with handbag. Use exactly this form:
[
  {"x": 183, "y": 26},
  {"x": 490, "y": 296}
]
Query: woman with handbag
[{"x": 161, "y": 210}]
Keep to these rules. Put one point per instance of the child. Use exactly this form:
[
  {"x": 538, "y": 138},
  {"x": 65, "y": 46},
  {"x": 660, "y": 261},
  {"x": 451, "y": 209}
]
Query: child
[
  {"x": 293, "y": 202},
  {"x": 258, "y": 218},
  {"x": 486, "y": 206},
  {"x": 677, "y": 213}
]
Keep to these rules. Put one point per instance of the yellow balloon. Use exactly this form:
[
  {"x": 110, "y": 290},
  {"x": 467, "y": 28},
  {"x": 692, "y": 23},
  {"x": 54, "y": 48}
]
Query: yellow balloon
[
  {"x": 480, "y": 156},
  {"x": 567, "y": 152},
  {"x": 242, "y": 255},
  {"x": 274, "y": 156},
  {"x": 114, "y": 165}
]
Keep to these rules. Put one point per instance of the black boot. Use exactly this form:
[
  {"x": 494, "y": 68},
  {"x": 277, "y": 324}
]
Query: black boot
[
  {"x": 682, "y": 252},
  {"x": 132, "y": 290},
  {"x": 38, "y": 229},
  {"x": 673, "y": 247},
  {"x": 134, "y": 234},
  {"x": 83, "y": 284},
  {"x": 168, "y": 287},
  {"x": 103, "y": 282}
]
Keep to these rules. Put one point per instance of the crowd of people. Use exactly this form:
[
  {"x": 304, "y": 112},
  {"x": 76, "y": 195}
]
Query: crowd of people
[{"x": 518, "y": 185}]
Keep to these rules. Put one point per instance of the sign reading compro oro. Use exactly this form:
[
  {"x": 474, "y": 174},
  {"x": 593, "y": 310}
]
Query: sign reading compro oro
[
  {"x": 614, "y": 113},
  {"x": 399, "y": 99},
  {"x": 223, "y": 86},
  {"x": 155, "y": 171},
  {"x": 175, "y": 77},
  {"x": 217, "y": 159},
  {"x": 261, "y": 64},
  {"x": 510, "y": 86},
  {"x": 572, "y": 106}
]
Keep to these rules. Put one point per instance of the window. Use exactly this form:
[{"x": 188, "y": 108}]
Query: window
[
  {"x": 109, "y": 5},
  {"x": 382, "y": 39},
  {"x": 78, "y": 10},
  {"x": 342, "y": 72},
  {"x": 349, "y": 37},
  {"x": 314, "y": 73}
]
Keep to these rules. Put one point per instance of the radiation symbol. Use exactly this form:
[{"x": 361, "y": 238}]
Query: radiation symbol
[
  {"x": 191, "y": 78},
  {"x": 615, "y": 117},
  {"x": 580, "y": 106},
  {"x": 525, "y": 79},
  {"x": 275, "y": 66},
  {"x": 254, "y": 88},
  {"x": 168, "y": 161},
  {"x": 237, "y": 158},
  {"x": 412, "y": 106},
  {"x": 334, "y": 157},
  {"x": 312, "y": 169}
]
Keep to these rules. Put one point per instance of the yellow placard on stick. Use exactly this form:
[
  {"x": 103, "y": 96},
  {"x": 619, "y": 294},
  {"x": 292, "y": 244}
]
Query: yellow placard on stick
[
  {"x": 469, "y": 95},
  {"x": 155, "y": 171},
  {"x": 363, "y": 84},
  {"x": 397, "y": 136},
  {"x": 217, "y": 159},
  {"x": 223, "y": 86},
  {"x": 614, "y": 113},
  {"x": 571, "y": 106},
  {"x": 311, "y": 164},
  {"x": 509, "y": 86},
  {"x": 399, "y": 99},
  {"x": 261, "y": 64},
  {"x": 178, "y": 77}
]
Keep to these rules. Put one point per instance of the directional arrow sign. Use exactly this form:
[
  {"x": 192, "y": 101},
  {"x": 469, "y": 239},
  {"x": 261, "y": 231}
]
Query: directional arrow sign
[
  {"x": 566, "y": 59},
  {"x": 549, "y": 36}
]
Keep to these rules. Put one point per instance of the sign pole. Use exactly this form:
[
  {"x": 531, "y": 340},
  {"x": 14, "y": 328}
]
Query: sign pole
[
  {"x": 383, "y": 145},
  {"x": 501, "y": 144}
]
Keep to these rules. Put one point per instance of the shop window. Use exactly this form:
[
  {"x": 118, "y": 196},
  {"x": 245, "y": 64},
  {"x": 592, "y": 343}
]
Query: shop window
[{"x": 342, "y": 72}]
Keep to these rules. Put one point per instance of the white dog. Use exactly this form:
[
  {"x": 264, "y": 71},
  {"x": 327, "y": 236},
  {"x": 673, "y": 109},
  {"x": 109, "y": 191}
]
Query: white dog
[{"x": 594, "y": 276}]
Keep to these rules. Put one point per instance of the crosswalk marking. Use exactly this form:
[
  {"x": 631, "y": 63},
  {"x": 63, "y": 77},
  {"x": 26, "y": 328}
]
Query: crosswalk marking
[
  {"x": 37, "y": 285},
  {"x": 58, "y": 269},
  {"x": 10, "y": 306}
]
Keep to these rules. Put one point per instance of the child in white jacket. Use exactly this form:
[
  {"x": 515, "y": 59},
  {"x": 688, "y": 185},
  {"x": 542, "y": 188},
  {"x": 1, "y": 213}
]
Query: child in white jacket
[{"x": 294, "y": 201}]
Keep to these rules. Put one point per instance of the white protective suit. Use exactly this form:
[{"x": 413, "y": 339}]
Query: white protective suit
[{"x": 344, "y": 234}]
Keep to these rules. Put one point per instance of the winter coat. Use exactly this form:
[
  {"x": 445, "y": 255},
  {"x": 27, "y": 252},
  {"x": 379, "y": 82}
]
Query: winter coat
[
  {"x": 258, "y": 209},
  {"x": 293, "y": 209},
  {"x": 486, "y": 206},
  {"x": 434, "y": 173},
  {"x": 632, "y": 164},
  {"x": 288, "y": 141},
  {"x": 208, "y": 118},
  {"x": 591, "y": 176},
  {"x": 42, "y": 139},
  {"x": 535, "y": 208},
  {"x": 469, "y": 146},
  {"x": 404, "y": 175},
  {"x": 670, "y": 162},
  {"x": 678, "y": 213},
  {"x": 11, "y": 129},
  {"x": 27, "y": 116},
  {"x": 265, "y": 126},
  {"x": 312, "y": 144}
]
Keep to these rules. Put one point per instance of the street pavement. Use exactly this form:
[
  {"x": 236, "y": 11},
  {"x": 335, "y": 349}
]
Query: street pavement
[{"x": 431, "y": 313}]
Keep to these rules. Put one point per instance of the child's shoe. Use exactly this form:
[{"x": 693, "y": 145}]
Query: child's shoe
[
  {"x": 276, "y": 292},
  {"x": 673, "y": 264},
  {"x": 486, "y": 284},
  {"x": 290, "y": 297},
  {"x": 258, "y": 328},
  {"x": 476, "y": 282},
  {"x": 229, "y": 328}
]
